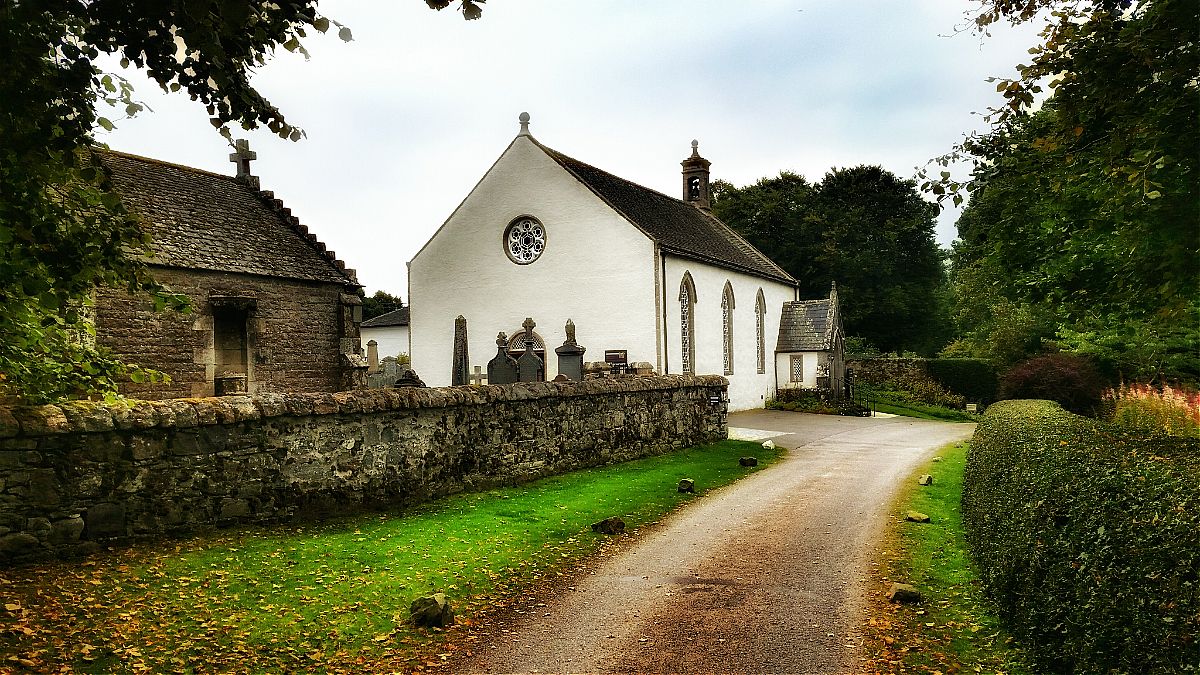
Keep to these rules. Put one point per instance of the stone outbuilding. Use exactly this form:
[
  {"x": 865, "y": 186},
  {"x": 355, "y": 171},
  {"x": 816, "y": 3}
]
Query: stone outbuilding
[
  {"x": 273, "y": 310},
  {"x": 810, "y": 351}
]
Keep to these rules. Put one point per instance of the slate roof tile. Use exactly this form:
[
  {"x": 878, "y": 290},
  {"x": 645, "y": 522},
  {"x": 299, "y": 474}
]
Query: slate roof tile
[
  {"x": 808, "y": 325},
  {"x": 396, "y": 317},
  {"x": 203, "y": 220},
  {"x": 679, "y": 227}
]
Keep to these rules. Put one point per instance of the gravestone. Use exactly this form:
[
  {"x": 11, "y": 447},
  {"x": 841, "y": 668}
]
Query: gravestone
[
  {"x": 570, "y": 355},
  {"x": 530, "y": 367},
  {"x": 503, "y": 368},
  {"x": 460, "y": 352},
  {"x": 372, "y": 357},
  {"x": 478, "y": 377}
]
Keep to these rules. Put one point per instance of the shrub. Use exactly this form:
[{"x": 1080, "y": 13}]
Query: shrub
[
  {"x": 924, "y": 390},
  {"x": 1072, "y": 382},
  {"x": 1087, "y": 536},
  {"x": 974, "y": 379},
  {"x": 1139, "y": 406}
]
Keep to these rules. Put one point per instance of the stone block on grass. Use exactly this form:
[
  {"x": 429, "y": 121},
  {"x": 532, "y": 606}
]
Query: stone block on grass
[
  {"x": 916, "y": 517},
  {"x": 613, "y": 525},
  {"x": 431, "y": 611},
  {"x": 687, "y": 485},
  {"x": 903, "y": 593}
]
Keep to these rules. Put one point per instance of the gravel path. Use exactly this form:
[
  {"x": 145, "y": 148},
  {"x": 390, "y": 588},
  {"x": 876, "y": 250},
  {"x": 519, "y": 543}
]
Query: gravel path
[{"x": 765, "y": 576}]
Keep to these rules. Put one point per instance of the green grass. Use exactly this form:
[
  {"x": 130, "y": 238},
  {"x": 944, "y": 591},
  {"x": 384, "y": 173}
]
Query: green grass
[
  {"x": 334, "y": 597},
  {"x": 954, "y": 629},
  {"x": 895, "y": 403}
]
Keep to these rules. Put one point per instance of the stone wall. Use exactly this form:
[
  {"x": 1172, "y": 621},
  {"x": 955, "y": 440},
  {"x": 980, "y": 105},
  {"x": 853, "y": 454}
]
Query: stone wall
[
  {"x": 877, "y": 370},
  {"x": 78, "y": 475},
  {"x": 293, "y": 333}
]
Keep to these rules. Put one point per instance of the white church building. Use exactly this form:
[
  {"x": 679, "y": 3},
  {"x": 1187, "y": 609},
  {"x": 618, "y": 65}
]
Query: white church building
[{"x": 546, "y": 236}]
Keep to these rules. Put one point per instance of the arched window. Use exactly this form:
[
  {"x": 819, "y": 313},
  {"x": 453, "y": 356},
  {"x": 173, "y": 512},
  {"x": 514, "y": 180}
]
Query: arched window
[
  {"x": 760, "y": 319},
  {"x": 727, "y": 327},
  {"x": 687, "y": 305}
]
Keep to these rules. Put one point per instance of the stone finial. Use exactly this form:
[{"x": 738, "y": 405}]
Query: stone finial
[
  {"x": 528, "y": 326},
  {"x": 501, "y": 340},
  {"x": 242, "y": 157},
  {"x": 571, "y": 333},
  {"x": 695, "y": 148},
  {"x": 524, "y": 118}
]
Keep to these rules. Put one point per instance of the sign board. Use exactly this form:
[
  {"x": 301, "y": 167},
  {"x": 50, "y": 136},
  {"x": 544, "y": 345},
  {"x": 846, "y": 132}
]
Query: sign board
[
  {"x": 714, "y": 399},
  {"x": 616, "y": 356},
  {"x": 972, "y": 407}
]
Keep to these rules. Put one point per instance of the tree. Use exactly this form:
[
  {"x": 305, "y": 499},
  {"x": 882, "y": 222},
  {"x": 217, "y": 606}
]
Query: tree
[
  {"x": 379, "y": 304},
  {"x": 63, "y": 230},
  {"x": 1089, "y": 206},
  {"x": 862, "y": 227}
]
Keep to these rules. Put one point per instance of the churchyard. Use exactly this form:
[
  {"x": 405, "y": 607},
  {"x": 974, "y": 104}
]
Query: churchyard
[{"x": 334, "y": 597}]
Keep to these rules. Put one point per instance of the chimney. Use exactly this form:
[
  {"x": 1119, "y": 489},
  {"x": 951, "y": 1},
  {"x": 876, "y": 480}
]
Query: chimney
[{"x": 695, "y": 179}]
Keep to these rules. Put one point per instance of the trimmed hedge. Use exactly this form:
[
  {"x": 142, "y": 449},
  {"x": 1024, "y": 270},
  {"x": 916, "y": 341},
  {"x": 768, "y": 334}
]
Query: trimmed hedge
[
  {"x": 974, "y": 379},
  {"x": 1088, "y": 538}
]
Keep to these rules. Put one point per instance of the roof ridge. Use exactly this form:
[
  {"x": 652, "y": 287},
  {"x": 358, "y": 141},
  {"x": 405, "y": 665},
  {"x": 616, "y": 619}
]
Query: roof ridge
[
  {"x": 613, "y": 175},
  {"x": 753, "y": 255},
  {"x": 173, "y": 165},
  {"x": 267, "y": 197}
]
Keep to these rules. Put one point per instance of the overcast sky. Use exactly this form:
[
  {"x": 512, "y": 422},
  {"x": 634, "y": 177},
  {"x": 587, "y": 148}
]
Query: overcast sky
[{"x": 403, "y": 121}]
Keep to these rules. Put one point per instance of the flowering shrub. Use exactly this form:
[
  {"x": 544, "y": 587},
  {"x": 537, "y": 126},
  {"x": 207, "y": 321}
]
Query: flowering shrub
[{"x": 1174, "y": 412}]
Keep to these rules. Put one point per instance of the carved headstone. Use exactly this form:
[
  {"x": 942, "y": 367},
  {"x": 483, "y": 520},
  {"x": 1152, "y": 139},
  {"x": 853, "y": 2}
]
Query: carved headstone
[
  {"x": 570, "y": 355},
  {"x": 503, "y": 368},
  {"x": 408, "y": 378},
  {"x": 460, "y": 352},
  {"x": 530, "y": 367},
  {"x": 372, "y": 357}
]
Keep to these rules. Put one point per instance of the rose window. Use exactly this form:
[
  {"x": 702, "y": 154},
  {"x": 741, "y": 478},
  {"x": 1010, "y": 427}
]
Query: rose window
[{"x": 525, "y": 240}]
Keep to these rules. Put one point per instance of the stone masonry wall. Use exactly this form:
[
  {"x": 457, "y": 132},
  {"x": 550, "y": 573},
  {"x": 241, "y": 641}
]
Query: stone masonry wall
[
  {"x": 79, "y": 475},
  {"x": 294, "y": 334},
  {"x": 876, "y": 370}
]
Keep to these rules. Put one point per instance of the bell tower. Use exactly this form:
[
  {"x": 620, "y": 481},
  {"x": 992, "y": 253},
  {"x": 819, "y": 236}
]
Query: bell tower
[{"x": 695, "y": 179}]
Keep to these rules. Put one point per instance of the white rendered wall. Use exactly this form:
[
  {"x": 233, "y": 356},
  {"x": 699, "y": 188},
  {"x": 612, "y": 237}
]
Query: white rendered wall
[
  {"x": 747, "y": 387},
  {"x": 783, "y": 366},
  {"x": 392, "y": 340},
  {"x": 597, "y": 269}
]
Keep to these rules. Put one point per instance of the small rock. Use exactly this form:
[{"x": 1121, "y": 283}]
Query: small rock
[
  {"x": 925, "y": 479},
  {"x": 917, "y": 517},
  {"x": 613, "y": 525},
  {"x": 748, "y": 461},
  {"x": 937, "y": 459},
  {"x": 903, "y": 593},
  {"x": 687, "y": 485},
  {"x": 769, "y": 444},
  {"x": 431, "y": 610}
]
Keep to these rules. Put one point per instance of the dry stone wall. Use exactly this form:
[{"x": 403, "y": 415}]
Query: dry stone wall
[{"x": 80, "y": 475}]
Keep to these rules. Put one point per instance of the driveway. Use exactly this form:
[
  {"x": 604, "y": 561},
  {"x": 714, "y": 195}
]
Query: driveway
[{"x": 765, "y": 576}]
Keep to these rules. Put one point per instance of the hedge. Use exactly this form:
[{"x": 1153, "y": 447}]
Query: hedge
[
  {"x": 974, "y": 379},
  {"x": 1087, "y": 537}
]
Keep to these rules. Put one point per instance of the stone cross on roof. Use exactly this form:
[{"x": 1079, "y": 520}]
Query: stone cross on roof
[{"x": 242, "y": 157}]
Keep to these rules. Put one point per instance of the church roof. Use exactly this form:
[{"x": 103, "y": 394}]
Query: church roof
[
  {"x": 208, "y": 221},
  {"x": 679, "y": 227},
  {"x": 809, "y": 325},
  {"x": 396, "y": 317}
]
